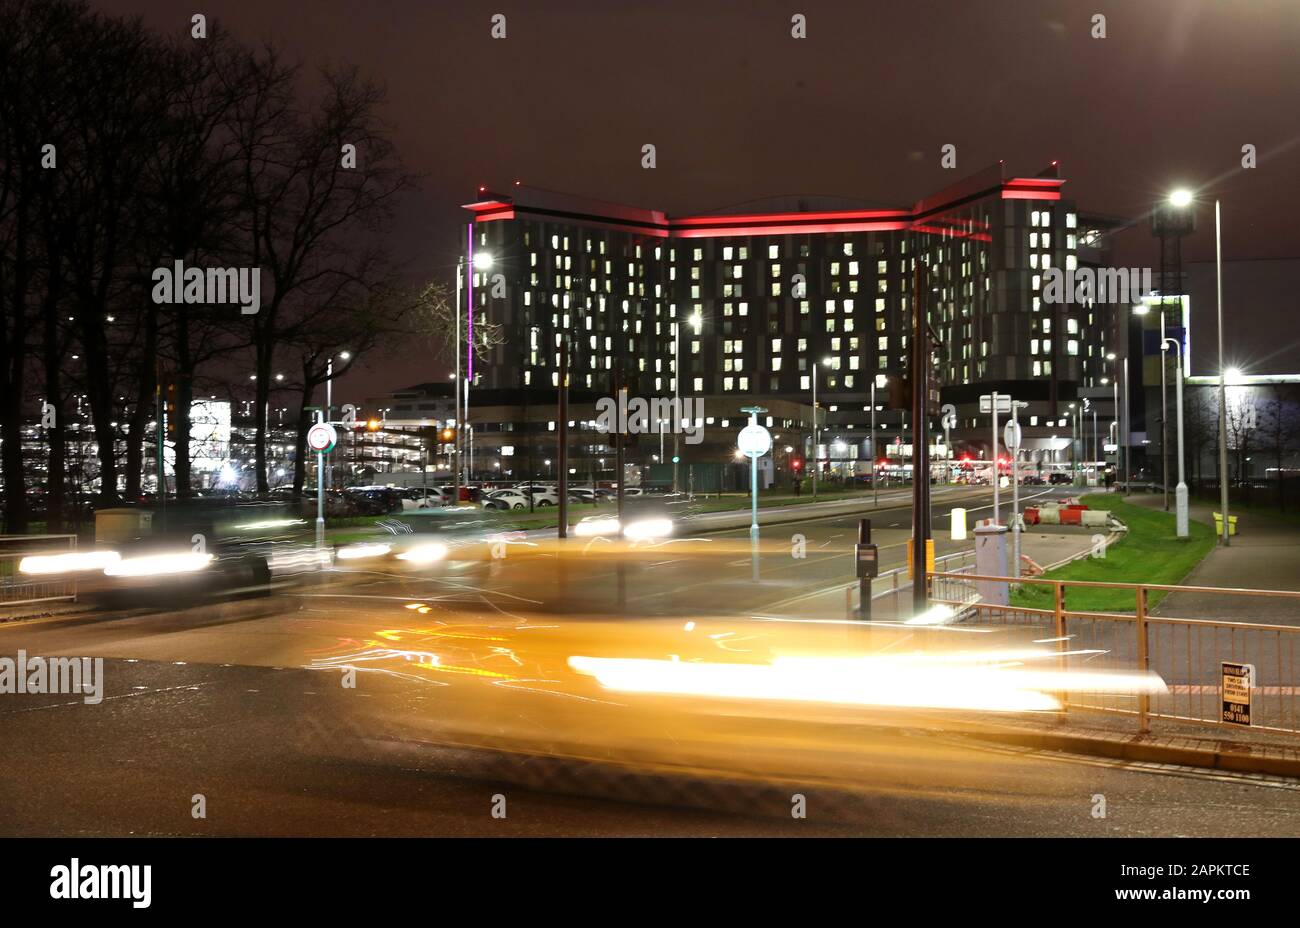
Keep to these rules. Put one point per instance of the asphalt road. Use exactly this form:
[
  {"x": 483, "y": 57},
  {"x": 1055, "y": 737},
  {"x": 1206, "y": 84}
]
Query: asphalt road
[{"x": 464, "y": 699}]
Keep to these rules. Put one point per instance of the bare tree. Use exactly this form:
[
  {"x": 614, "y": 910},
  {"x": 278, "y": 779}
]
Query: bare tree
[
  {"x": 319, "y": 182},
  {"x": 1277, "y": 434}
]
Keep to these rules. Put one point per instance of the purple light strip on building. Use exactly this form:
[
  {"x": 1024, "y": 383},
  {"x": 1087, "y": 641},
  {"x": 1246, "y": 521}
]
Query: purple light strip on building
[{"x": 469, "y": 312}]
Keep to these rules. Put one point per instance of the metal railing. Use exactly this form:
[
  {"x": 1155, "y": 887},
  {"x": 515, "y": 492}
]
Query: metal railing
[
  {"x": 20, "y": 590},
  {"x": 896, "y": 580},
  {"x": 1186, "y": 652}
]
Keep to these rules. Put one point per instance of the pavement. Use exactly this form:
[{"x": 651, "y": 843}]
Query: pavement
[{"x": 1263, "y": 555}]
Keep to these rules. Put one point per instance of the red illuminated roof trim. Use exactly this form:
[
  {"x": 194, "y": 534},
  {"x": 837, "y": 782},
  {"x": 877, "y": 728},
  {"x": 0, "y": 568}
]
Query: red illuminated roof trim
[
  {"x": 746, "y": 219},
  {"x": 791, "y": 223},
  {"x": 1031, "y": 194},
  {"x": 480, "y": 206},
  {"x": 801, "y": 228}
]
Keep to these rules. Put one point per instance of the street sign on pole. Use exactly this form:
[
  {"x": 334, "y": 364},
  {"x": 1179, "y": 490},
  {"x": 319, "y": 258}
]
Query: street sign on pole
[
  {"x": 321, "y": 437},
  {"x": 754, "y": 441},
  {"x": 1003, "y": 402},
  {"x": 994, "y": 405},
  {"x": 1234, "y": 688},
  {"x": 1011, "y": 436}
]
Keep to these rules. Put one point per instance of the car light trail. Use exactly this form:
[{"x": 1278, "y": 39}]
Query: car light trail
[
  {"x": 424, "y": 554},
  {"x": 68, "y": 563},
  {"x": 964, "y": 681},
  {"x": 357, "y": 552},
  {"x": 154, "y": 564}
]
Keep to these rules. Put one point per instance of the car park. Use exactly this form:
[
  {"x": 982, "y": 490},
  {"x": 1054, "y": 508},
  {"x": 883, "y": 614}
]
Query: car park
[
  {"x": 543, "y": 496},
  {"x": 505, "y": 499}
]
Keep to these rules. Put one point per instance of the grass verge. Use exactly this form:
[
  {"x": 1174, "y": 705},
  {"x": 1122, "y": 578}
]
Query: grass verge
[{"x": 1149, "y": 552}]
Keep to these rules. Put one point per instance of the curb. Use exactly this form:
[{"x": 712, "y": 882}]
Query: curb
[
  {"x": 802, "y": 513},
  {"x": 1237, "y": 758}
]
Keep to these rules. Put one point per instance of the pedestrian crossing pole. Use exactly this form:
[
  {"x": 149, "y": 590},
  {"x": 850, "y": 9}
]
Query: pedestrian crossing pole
[{"x": 920, "y": 441}]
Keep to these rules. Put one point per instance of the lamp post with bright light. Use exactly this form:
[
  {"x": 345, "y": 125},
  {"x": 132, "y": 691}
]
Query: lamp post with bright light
[
  {"x": 1182, "y": 199},
  {"x": 816, "y": 457}
]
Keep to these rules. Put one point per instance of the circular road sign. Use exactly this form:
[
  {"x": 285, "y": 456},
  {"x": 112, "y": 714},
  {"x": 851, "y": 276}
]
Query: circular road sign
[
  {"x": 754, "y": 441},
  {"x": 1011, "y": 435},
  {"x": 321, "y": 437}
]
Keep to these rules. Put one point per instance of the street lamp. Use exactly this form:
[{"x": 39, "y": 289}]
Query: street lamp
[
  {"x": 816, "y": 458},
  {"x": 1181, "y": 199},
  {"x": 329, "y": 404},
  {"x": 696, "y": 321},
  {"x": 1180, "y": 492}
]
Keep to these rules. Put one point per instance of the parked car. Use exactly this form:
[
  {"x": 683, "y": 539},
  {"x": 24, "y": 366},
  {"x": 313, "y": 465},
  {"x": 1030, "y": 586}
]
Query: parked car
[
  {"x": 374, "y": 501},
  {"x": 534, "y": 487},
  {"x": 543, "y": 496},
  {"x": 505, "y": 499},
  {"x": 421, "y": 498}
]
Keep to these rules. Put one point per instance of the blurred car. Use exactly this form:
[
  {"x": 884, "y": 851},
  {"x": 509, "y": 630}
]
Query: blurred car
[
  {"x": 373, "y": 500},
  {"x": 1058, "y": 478},
  {"x": 534, "y": 488},
  {"x": 505, "y": 499},
  {"x": 190, "y": 551},
  {"x": 421, "y": 498},
  {"x": 543, "y": 496}
]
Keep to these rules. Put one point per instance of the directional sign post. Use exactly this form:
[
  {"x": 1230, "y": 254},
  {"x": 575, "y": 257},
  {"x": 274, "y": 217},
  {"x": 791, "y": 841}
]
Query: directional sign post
[
  {"x": 754, "y": 441},
  {"x": 321, "y": 438},
  {"x": 995, "y": 403},
  {"x": 1011, "y": 436}
]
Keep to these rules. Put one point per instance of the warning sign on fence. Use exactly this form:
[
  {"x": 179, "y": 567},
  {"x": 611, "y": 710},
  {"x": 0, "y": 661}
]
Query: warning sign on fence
[{"x": 1236, "y": 681}]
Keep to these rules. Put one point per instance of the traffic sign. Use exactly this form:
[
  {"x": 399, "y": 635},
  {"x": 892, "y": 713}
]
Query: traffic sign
[
  {"x": 321, "y": 437},
  {"x": 754, "y": 441},
  {"x": 1011, "y": 436},
  {"x": 1234, "y": 688},
  {"x": 986, "y": 402}
]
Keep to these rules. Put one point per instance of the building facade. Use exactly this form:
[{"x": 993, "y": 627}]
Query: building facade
[{"x": 783, "y": 299}]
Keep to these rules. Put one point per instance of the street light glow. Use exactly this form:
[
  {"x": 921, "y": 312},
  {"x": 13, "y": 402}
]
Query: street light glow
[
  {"x": 482, "y": 260},
  {"x": 1180, "y": 198}
]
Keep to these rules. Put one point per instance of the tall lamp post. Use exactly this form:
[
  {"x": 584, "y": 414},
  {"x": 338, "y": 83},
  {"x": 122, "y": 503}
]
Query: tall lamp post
[
  {"x": 329, "y": 406},
  {"x": 457, "y": 419},
  {"x": 1180, "y": 492},
  {"x": 1181, "y": 199},
  {"x": 816, "y": 435}
]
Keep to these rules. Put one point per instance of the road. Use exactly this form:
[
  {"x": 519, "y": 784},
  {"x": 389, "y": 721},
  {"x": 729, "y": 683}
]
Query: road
[{"x": 464, "y": 693}]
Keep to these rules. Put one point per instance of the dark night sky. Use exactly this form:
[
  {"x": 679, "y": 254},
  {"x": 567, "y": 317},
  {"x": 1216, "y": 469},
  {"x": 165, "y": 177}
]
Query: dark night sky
[{"x": 739, "y": 110}]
